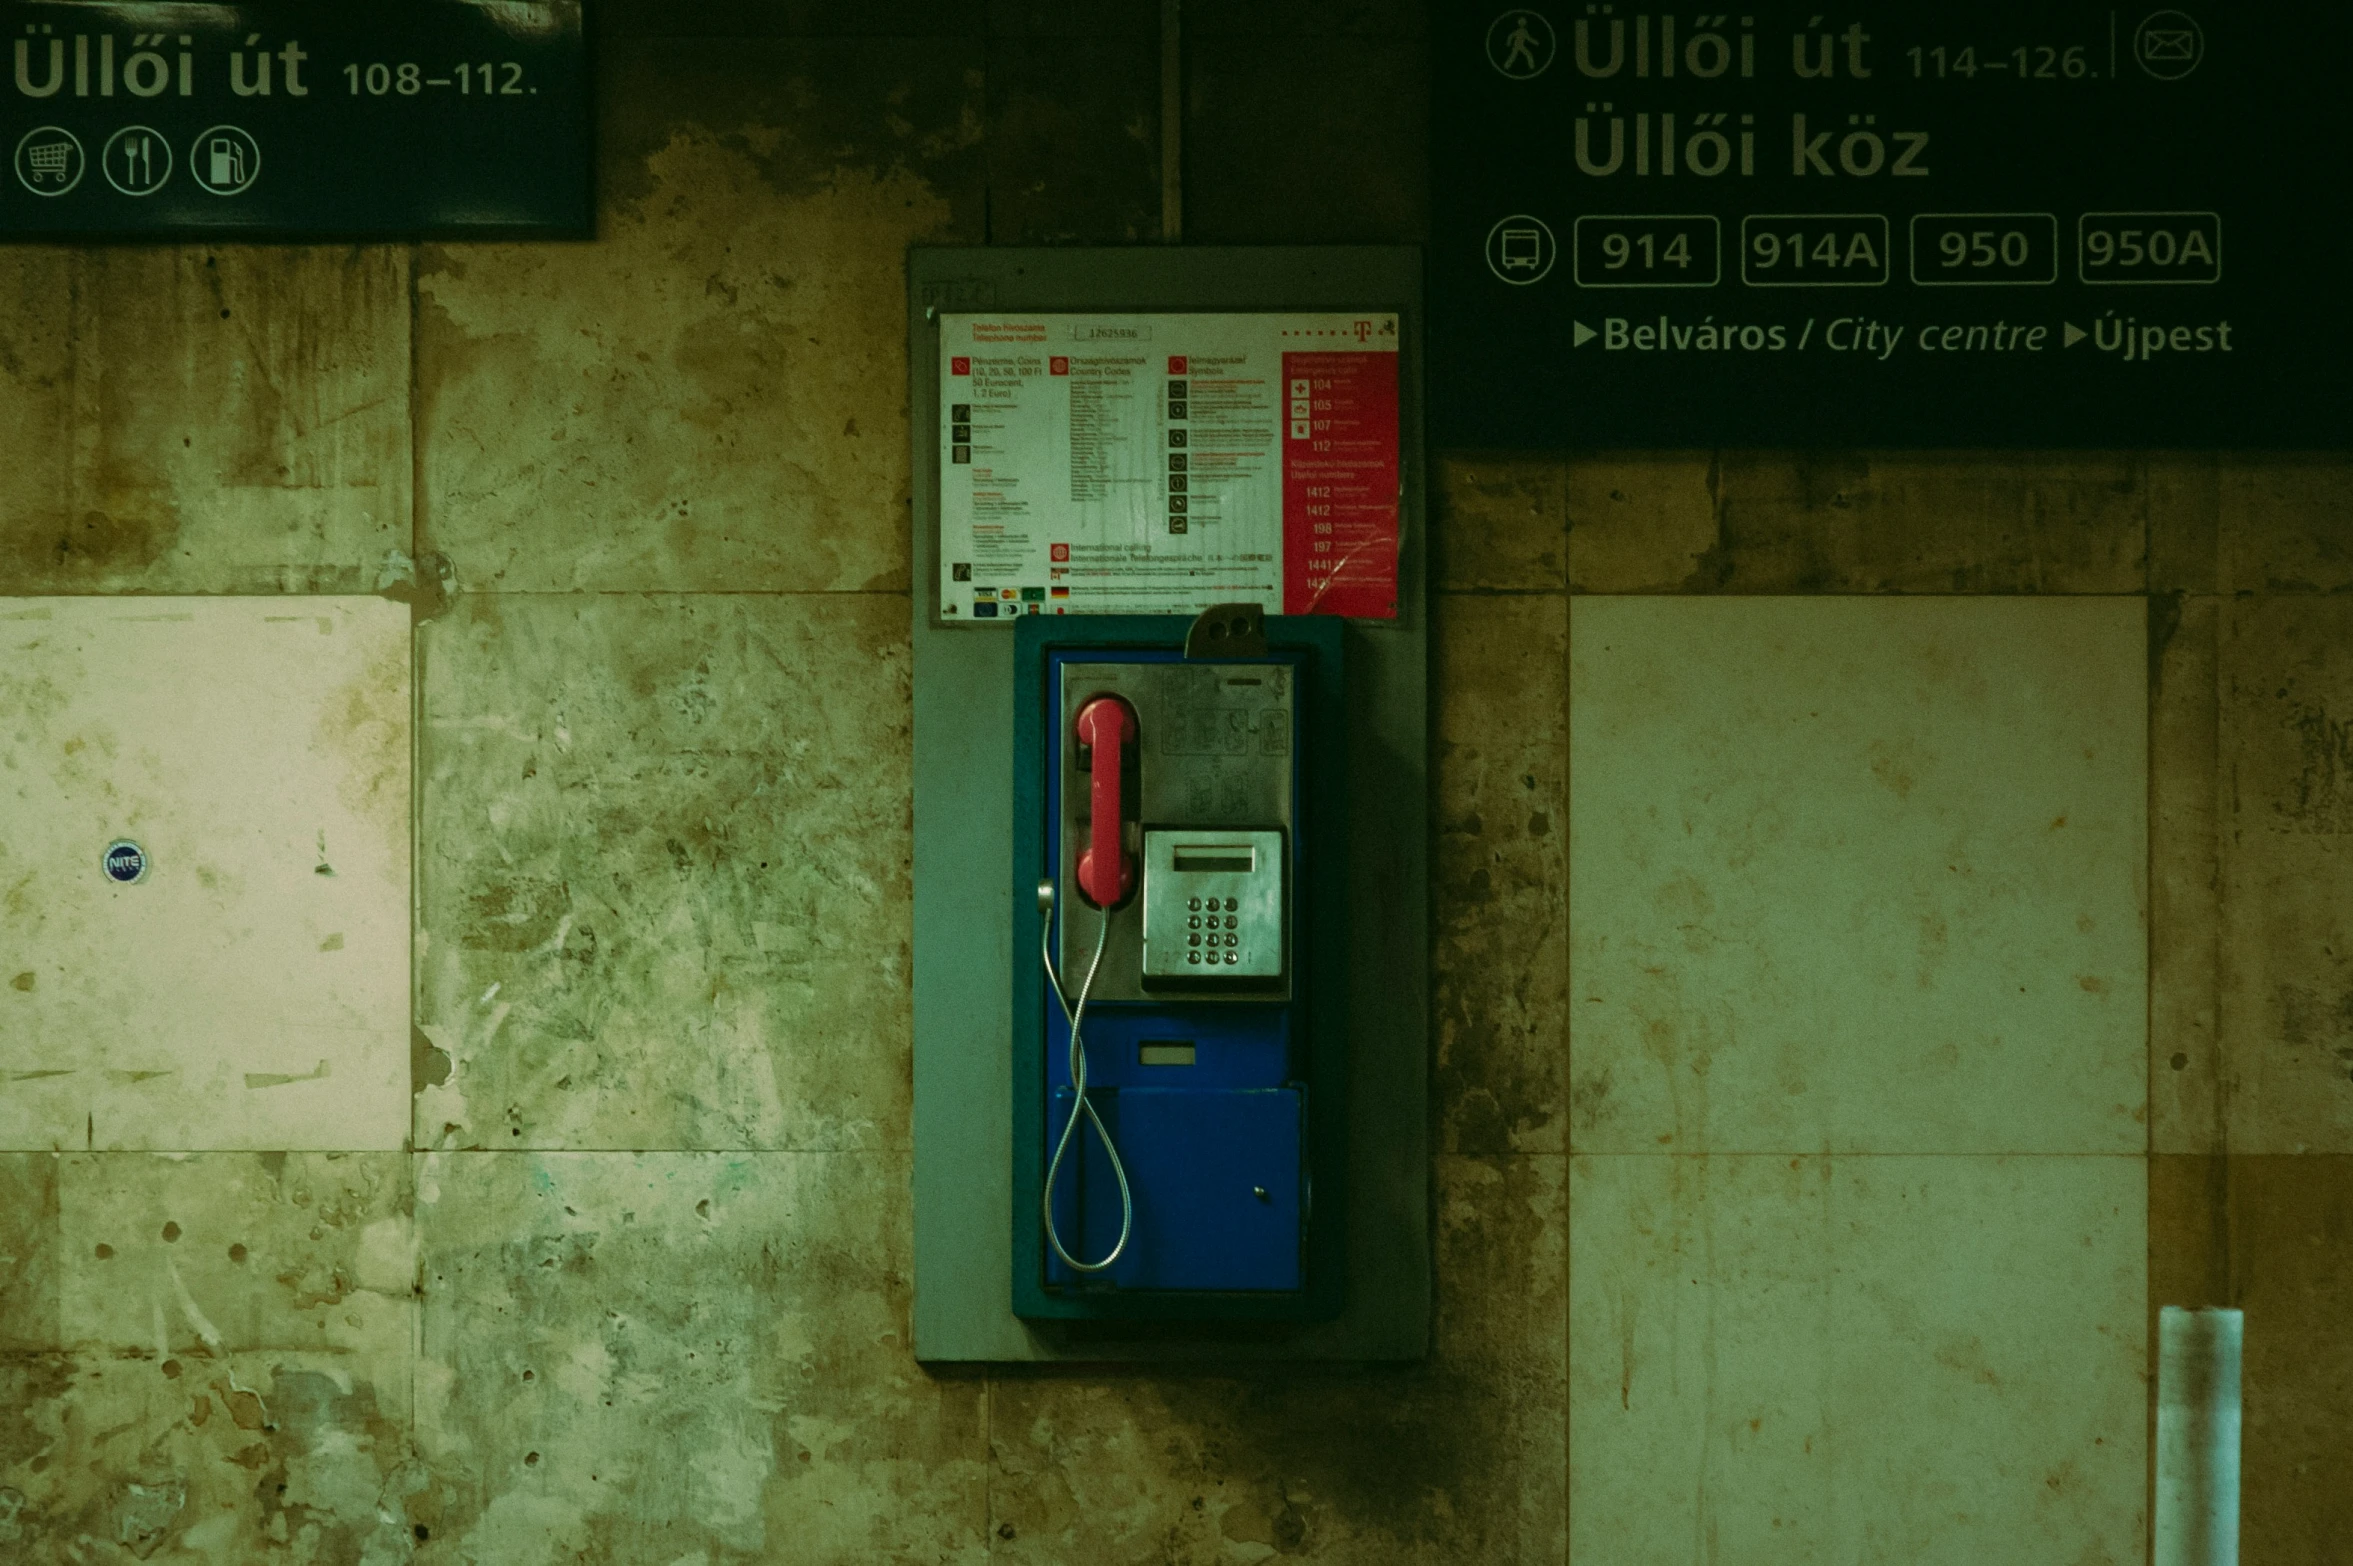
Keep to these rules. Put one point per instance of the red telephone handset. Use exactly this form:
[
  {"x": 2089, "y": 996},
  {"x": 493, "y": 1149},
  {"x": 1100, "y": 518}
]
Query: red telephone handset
[{"x": 1105, "y": 871}]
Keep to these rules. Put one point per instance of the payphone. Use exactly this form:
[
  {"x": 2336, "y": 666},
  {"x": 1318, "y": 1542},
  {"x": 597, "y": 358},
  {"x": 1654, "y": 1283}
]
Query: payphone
[{"x": 1179, "y": 1051}]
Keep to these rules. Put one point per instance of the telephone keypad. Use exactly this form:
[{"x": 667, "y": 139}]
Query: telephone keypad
[{"x": 1225, "y": 885}]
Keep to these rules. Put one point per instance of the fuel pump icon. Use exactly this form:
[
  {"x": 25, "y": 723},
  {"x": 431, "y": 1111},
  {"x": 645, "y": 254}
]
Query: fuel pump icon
[{"x": 225, "y": 160}]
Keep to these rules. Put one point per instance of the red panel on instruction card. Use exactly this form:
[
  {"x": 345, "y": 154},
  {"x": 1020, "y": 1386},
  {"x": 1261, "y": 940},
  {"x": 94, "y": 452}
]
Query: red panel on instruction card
[{"x": 1340, "y": 484}]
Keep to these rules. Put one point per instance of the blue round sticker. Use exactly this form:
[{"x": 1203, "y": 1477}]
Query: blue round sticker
[{"x": 126, "y": 862}]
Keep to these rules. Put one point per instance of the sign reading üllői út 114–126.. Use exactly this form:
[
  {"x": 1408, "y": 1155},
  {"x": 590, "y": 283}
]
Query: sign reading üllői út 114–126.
[
  {"x": 287, "y": 119},
  {"x": 1914, "y": 223}
]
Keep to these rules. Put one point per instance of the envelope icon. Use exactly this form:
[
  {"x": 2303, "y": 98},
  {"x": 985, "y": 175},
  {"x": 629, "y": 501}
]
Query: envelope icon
[{"x": 2169, "y": 45}]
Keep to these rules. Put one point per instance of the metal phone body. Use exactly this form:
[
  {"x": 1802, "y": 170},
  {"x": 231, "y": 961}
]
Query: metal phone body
[{"x": 1212, "y": 796}]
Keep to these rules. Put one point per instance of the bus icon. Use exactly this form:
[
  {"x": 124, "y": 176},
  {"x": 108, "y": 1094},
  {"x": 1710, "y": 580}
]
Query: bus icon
[{"x": 1521, "y": 249}]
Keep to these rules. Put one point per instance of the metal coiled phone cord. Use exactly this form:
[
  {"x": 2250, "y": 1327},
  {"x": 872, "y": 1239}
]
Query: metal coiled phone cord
[{"x": 1078, "y": 1085}]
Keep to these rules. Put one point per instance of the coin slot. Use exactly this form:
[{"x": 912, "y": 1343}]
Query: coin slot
[{"x": 1235, "y": 859}]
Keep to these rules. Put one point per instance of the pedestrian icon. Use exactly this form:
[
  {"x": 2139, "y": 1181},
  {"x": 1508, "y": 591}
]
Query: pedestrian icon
[
  {"x": 2168, "y": 45},
  {"x": 136, "y": 160},
  {"x": 225, "y": 160},
  {"x": 48, "y": 161},
  {"x": 1520, "y": 249},
  {"x": 1520, "y": 44}
]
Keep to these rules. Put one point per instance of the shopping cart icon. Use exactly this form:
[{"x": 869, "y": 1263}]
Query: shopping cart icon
[{"x": 48, "y": 161}]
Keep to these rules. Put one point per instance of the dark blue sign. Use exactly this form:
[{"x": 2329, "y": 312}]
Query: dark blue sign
[
  {"x": 287, "y": 119},
  {"x": 125, "y": 862},
  {"x": 1907, "y": 223}
]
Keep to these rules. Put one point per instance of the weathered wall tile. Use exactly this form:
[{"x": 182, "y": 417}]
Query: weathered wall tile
[
  {"x": 2272, "y": 1235},
  {"x": 227, "y": 1372},
  {"x": 2287, "y": 889},
  {"x": 193, "y": 420},
  {"x": 1500, "y": 522},
  {"x": 2285, "y": 523},
  {"x": 289, "y": 1459},
  {"x": 1929, "y": 1360},
  {"x": 1306, "y": 142},
  {"x": 2291, "y": 1259},
  {"x": 2185, "y": 1063},
  {"x": 684, "y": 1356},
  {"x": 1074, "y": 139},
  {"x": 1700, "y": 1366},
  {"x": 2185, "y": 510},
  {"x": 214, "y": 1259},
  {"x": 1990, "y": 1359},
  {"x": 1500, "y": 964},
  {"x": 1930, "y": 522},
  {"x": 1640, "y": 522},
  {"x": 1857, "y": 874},
  {"x": 2250, "y": 522},
  {"x": 713, "y": 395},
  {"x": 2189, "y": 1234},
  {"x": 1458, "y": 1459},
  {"x": 665, "y": 872},
  {"x": 28, "y": 1251},
  {"x": 251, "y": 991}
]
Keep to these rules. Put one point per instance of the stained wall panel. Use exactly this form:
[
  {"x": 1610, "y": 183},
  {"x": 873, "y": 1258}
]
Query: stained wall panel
[
  {"x": 192, "y": 419},
  {"x": 1858, "y": 875},
  {"x": 1793, "y": 1360},
  {"x": 684, "y": 1357},
  {"x": 2285, "y": 806},
  {"x": 662, "y": 906},
  {"x": 1858, "y": 1079}
]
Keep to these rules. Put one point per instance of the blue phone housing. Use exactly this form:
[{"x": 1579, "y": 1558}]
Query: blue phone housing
[{"x": 1235, "y": 1162}]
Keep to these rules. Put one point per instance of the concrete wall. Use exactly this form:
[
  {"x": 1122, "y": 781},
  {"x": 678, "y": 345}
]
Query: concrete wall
[{"x": 639, "y": 1293}]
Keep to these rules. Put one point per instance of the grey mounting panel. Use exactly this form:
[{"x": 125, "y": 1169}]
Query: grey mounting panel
[{"x": 966, "y": 929}]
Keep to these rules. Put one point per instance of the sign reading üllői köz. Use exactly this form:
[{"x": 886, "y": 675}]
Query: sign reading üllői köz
[
  {"x": 1947, "y": 222},
  {"x": 289, "y": 118}
]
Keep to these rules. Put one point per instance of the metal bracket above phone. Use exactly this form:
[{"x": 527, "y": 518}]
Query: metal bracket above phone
[{"x": 1227, "y": 631}]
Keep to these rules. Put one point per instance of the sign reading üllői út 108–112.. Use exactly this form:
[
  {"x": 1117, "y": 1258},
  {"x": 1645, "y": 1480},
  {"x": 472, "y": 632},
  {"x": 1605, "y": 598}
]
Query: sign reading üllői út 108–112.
[
  {"x": 1904, "y": 224},
  {"x": 291, "y": 118}
]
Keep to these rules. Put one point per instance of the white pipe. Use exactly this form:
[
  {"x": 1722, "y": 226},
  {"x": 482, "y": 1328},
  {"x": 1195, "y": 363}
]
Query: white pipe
[{"x": 2197, "y": 1521}]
